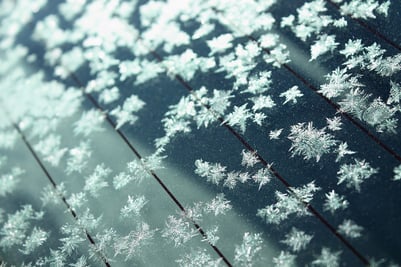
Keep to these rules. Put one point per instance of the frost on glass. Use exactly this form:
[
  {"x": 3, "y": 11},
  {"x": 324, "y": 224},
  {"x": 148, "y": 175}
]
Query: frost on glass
[{"x": 199, "y": 133}]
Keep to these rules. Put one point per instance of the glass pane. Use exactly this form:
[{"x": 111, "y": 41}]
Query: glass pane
[{"x": 200, "y": 133}]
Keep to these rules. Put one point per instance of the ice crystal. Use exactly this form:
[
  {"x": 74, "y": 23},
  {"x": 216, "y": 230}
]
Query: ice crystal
[
  {"x": 310, "y": 142},
  {"x": 81, "y": 262},
  {"x": 137, "y": 170},
  {"x": 52, "y": 195},
  {"x": 339, "y": 81},
  {"x": 239, "y": 117},
  {"x": 259, "y": 83},
  {"x": 291, "y": 95},
  {"x": 13, "y": 231},
  {"x": 90, "y": 121},
  {"x": 285, "y": 259},
  {"x": 78, "y": 158},
  {"x": 97, "y": 180},
  {"x": 9, "y": 181},
  {"x": 334, "y": 124},
  {"x": 261, "y": 102},
  {"x": 324, "y": 44},
  {"x": 218, "y": 205},
  {"x": 178, "y": 230},
  {"x": 352, "y": 47},
  {"x": 211, "y": 235},
  {"x": 249, "y": 158},
  {"x": 131, "y": 245},
  {"x": 125, "y": 114},
  {"x": 350, "y": 229},
  {"x": 297, "y": 240},
  {"x": 213, "y": 172},
  {"x": 334, "y": 202},
  {"x": 355, "y": 174},
  {"x": 364, "y": 9},
  {"x": 134, "y": 206},
  {"x": 246, "y": 253},
  {"x": 198, "y": 258},
  {"x": 397, "y": 173},
  {"x": 89, "y": 221},
  {"x": 327, "y": 258},
  {"x": 395, "y": 93},
  {"x": 72, "y": 240},
  {"x": 275, "y": 134},
  {"x": 310, "y": 19},
  {"x": 203, "y": 30},
  {"x": 262, "y": 176},
  {"x": 231, "y": 180},
  {"x": 121, "y": 180},
  {"x": 220, "y": 44},
  {"x": 380, "y": 115},
  {"x": 278, "y": 56},
  {"x": 50, "y": 148},
  {"x": 35, "y": 240},
  {"x": 293, "y": 202},
  {"x": 343, "y": 150},
  {"x": 77, "y": 200}
]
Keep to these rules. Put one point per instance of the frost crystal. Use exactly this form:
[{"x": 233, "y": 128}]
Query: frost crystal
[
  {"x": 327, "y": 258},
  {"x": 125, "y": 114},
  {"x": 293, "y": 202},
  {"x": 342, "y": 150},
  {"x": 13, "y": 231},
  {"x": 395, "y": 93},
  {"x": 310, "y": 142},
  {"x": 36, "y": 239},
  {"x": 49, "y": 147},
  {"x": 218, "y": 205},
  {"x": 239, "y": 117},
  {"x": 334, "y": 202},
  {"x": 130, "y": 246},
  {"x": 213, "y": 172},
  {"x": 178, "y": 230},
  {"x": 355, "y": 173},
  {"x": 334, "y": 124},
  {"x": 275, "y": 134},
  {"x": 364, "y": 9},
  {"x": 292, "y": 94},
  {"x": 9, "y": 181},
  {"x": 245, "y": 253},
  {"x": 90, "y": 121},
  {"x": 249, "y": 158},
  {"x": 297, "y": 240},
  {"x": 324, "y": 44},
  {"x": 97, "y": 180},
  {"x": 285, "y": 259},
  {"x": 198, "y": 258},
  {"x": 352, "y": 47},
  {"x": 220, "y": 44},
  {"x": 350, "y": 229},
  {"x": 262, "y": 176},
  {"x": 78, "y": 158},
  {"x": 397, "y": 173},
  {"x": 134, "y": 206},
  {"x": 261, "y": 102}
]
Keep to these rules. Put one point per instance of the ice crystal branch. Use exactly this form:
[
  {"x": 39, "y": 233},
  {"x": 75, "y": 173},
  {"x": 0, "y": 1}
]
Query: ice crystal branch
[
  {"x": 310, "y": 142},
  {"x": 355, "y": 174},
  {"x": 246, "y": 253},
  {"x": 293, "y": 202},
  {"x": 334, "y": 202},
  {"x": 297, "y": 240},
  {"x": 350, "y": 229}
]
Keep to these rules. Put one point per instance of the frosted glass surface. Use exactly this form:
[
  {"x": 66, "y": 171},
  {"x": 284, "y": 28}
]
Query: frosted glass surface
[{"x": 200, "y": 133}]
